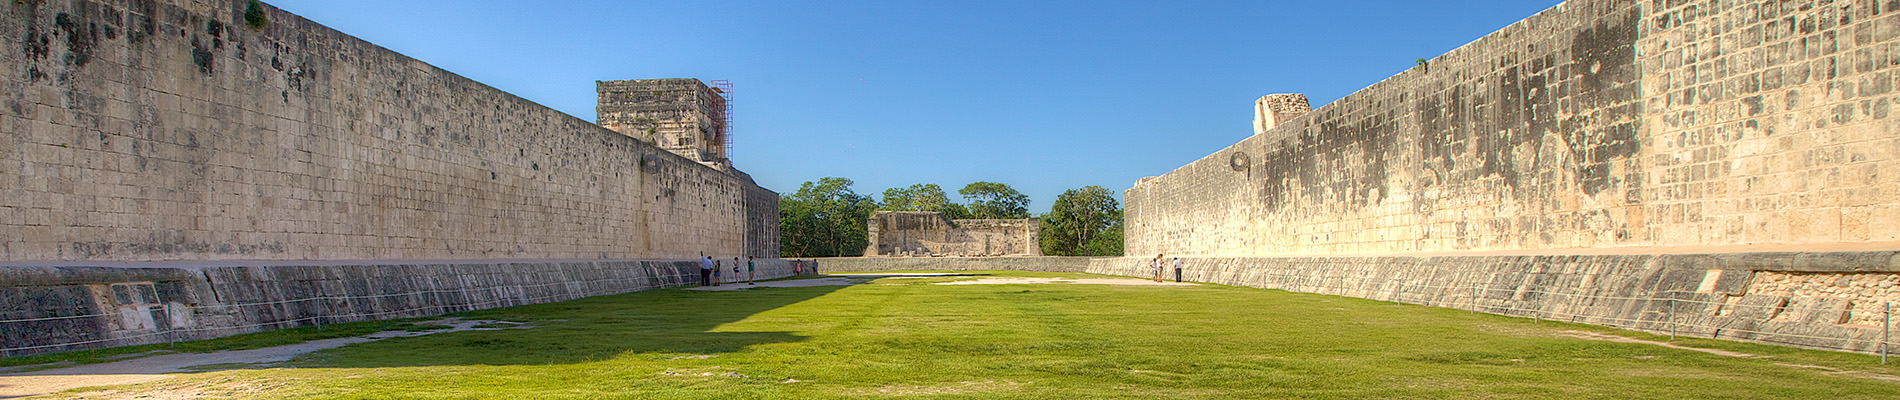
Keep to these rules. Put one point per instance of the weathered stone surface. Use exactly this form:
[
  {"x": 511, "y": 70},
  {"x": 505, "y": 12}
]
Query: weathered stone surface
[
  {"x": 1273, "y": 109},
  {"x": 1595, "y": 123},
  {"x": 681, "y": 115},
  {"x": 925, "y": 233},
  {"x": 172, "y": 130}
]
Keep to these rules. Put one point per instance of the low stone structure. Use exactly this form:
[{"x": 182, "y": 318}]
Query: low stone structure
[
  {"x": 926, "y": 233},
  {"x": 1273, "y": 109}
]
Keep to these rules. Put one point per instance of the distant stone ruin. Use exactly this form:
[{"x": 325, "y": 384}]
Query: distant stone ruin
[
  {"x": 929, "y": 234},
  {"x": 1273, "y": 109}
]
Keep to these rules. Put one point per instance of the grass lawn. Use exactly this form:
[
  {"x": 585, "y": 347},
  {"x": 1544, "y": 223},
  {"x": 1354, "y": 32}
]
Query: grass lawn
[{"x": 905, "y": 337}]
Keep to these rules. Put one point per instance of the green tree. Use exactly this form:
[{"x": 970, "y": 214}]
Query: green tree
[
  {"x": 918, "y": 197},
  {"x": 922, "y": 197},
  {"x": 1083, "y": 222},
  {"x": 824, "y": 219},
  {"x": 993, "y": 200},
  {"x": 954, "y": 211}
]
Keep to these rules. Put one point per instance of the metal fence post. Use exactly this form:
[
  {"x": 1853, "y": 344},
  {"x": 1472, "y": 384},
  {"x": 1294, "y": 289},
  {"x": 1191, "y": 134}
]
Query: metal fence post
[
  {"x": 1886, "y": 327},
  {"x": 1397, "y": 298},
  {"x": 171, "y": 338},
  {"x": 318, "y": 319},
  {"x": 1672, "y": 319}
]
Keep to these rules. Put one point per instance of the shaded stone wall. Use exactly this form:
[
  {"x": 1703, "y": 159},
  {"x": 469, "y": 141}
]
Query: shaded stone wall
[
  {"x": 174, "y": 130},
  {"x": 60, "y": 308},
  {"x": 927, "y": 233},
  {"x": 1593, "y": 124},
  {"x": 761, "y": 220}
]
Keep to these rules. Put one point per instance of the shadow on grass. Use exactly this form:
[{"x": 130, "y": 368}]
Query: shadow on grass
[{"x": 670, "y": 322}]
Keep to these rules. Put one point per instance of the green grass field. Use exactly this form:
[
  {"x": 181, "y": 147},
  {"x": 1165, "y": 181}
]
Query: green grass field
[{"x": 905, "y": 337}]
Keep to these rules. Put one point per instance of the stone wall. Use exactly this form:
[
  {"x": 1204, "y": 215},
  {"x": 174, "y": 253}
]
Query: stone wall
[
  {"x": 1593, "y": 124},
  {"x": 176, "y": 130},
  {"x": 60, "y": 308},
  {"x": 928, "y": 233}
]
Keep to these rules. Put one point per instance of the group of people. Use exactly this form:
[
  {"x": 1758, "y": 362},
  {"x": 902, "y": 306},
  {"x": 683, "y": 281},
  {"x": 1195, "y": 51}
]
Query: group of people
[
  {"x": 1158, "y": 267},
  {"x": 709, "y": 270}
]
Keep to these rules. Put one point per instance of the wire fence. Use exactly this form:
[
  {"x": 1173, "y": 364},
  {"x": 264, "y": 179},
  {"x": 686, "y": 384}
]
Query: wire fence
[
  {"x": 1821, "y": 324},
  {"x": 244, "y": 317}
]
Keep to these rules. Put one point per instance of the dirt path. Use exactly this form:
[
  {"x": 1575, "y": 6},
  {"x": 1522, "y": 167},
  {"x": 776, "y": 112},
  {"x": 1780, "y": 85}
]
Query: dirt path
[
  {"x": 147, "y": 369},
  {"x": 1620, "y": 339},
  {"x": 1824, "y": 370}
]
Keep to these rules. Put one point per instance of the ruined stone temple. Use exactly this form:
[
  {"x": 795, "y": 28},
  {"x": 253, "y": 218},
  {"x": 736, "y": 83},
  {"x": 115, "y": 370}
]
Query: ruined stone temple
[
  {"x": 929, "y": 234},
  {"x": 683, "y": 116}
]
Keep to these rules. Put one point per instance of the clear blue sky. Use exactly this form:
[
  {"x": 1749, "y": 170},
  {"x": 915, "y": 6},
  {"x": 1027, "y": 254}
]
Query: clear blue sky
[{"x": 1044, "y": 96}]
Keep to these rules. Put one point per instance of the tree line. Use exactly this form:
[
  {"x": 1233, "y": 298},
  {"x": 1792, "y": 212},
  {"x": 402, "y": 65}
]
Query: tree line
[{"x": 826, "y": 218}]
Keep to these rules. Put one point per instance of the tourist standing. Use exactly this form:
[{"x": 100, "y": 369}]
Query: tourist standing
[
  {"x": 1156, "y": 266},
  {"x": 705, "y": 269},
  {"x": 1177, "y": 269},
  {"x": 716, "y": 278},
  {"x": 735, "y": 270},
  {"x": 751, "y": 269}
]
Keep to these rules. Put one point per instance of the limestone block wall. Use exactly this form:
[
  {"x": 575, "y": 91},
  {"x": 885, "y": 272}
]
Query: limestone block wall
[
  {"x": 927, "y": 233},
  {"x": 60, "y": 308},
  {"x": 1593, "y": 124},
  {"x": 682, "y": 115},
  {"x": 175, "y": 130},
  {"x": 761, "y": 223}
]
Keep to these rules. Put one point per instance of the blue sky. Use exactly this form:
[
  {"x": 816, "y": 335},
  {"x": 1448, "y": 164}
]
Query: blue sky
[{"x": 1044, "y": 96}]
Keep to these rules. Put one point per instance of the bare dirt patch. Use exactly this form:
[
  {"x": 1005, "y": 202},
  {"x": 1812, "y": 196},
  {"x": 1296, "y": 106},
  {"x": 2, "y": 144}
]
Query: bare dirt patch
[
  {"x": 965, "y": 387},
  {"x": 1619, "y": 339},
  {"x": 1823, "y": 370}
]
